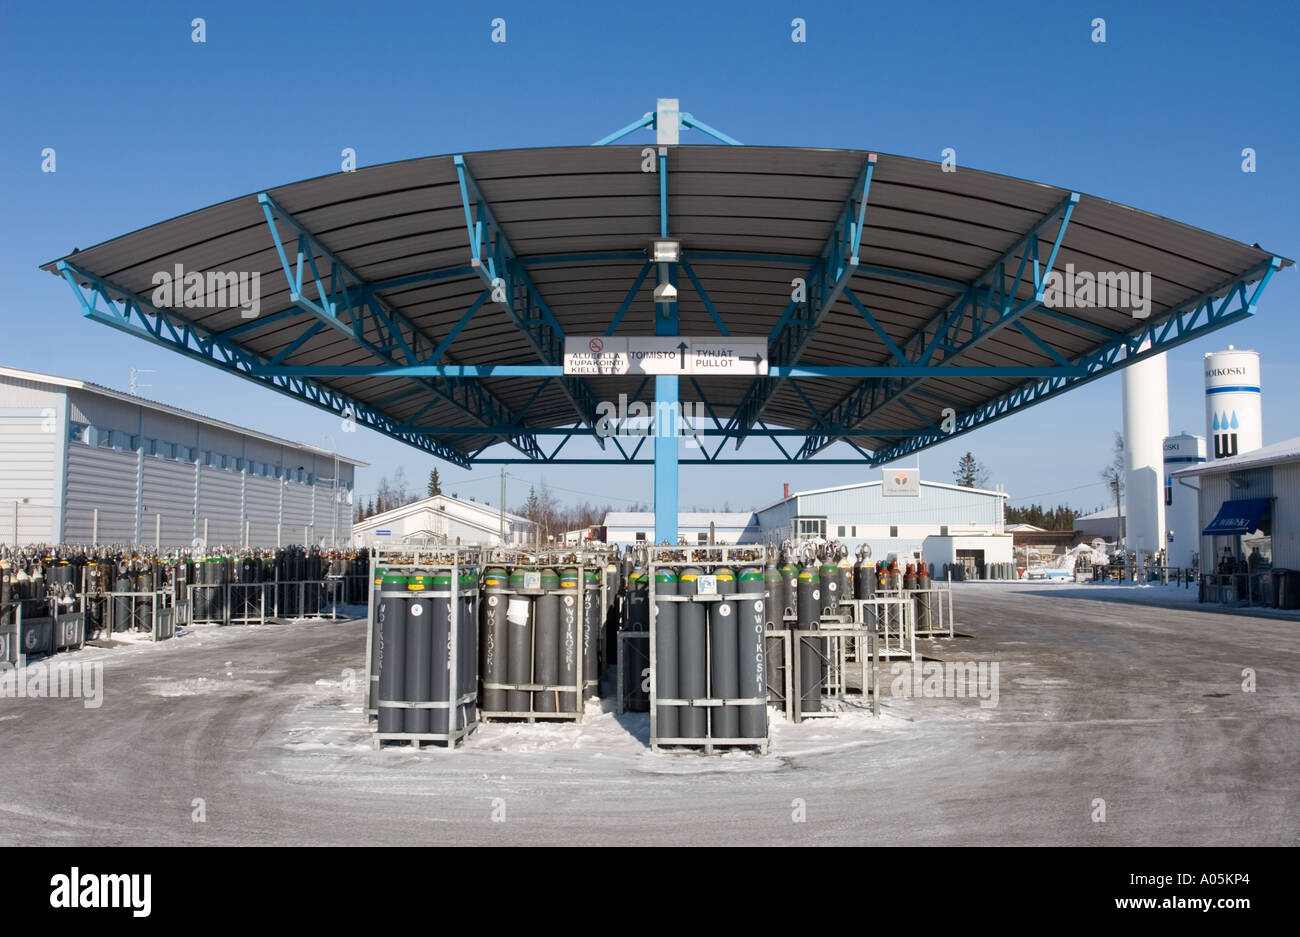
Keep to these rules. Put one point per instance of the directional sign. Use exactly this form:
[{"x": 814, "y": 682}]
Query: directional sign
[{"x": 665, "y": 355}]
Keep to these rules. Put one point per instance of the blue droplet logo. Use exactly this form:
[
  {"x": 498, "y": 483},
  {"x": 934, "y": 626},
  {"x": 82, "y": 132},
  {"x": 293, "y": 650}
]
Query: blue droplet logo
[
  {"x": 1233, "y": 424},
  {"x": 1216, "y": 421}
]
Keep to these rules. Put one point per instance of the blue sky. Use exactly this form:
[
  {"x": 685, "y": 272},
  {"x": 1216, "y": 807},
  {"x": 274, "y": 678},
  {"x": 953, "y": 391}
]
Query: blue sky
[{"x": 147, "y": 125}]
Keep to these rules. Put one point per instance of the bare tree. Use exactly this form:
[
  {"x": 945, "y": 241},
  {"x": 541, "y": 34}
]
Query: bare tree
[{"x": 1113, "y": 476}]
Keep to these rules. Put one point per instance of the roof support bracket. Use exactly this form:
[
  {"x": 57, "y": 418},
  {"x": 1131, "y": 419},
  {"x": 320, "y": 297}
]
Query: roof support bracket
[
  {"x": 511, "y": 288},
  {"x": 128, "y": 312}
]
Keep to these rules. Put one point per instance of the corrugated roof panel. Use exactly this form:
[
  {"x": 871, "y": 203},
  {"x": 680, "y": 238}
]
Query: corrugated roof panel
[{"x": 404, "y": 219}]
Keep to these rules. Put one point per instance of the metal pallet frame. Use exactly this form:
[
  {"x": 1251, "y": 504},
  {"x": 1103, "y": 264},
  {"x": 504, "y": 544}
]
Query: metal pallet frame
[
  {"x": 897, "y": 631},
  {"x": 553, "y": 558},
  {"x": 702, "y": 556},
  {"x": 409, "y": 559}
]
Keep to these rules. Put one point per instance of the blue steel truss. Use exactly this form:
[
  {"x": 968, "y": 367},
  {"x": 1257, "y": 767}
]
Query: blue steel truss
[
  {"x": 989, "y": 304},
  {"x": 650, "y": 121},
  {"x": 345, "y": 302},
  {"x": 1190, "y": 320},
  {"x": 511, "y": 288},
  {"x": 327, "y": 294},
  {"x": 127, "y": 312},
  {"x": 824, "y": 283}
]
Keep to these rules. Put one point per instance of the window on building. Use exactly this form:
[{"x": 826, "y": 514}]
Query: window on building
[
  {"x": 702, "y": 539},
  {"x": 841, "y": 530},
  {"x": 893, "y": 531},
  {"x": 1169, "y": 491},
  {"x": 943, "y": 530},
  {"x": 640, "y": 536},
  {"x": 855, "y": 530},
  {"x": 807, "y": 528}
]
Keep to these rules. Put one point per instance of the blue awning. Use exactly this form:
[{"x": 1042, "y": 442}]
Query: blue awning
[{"x": 1237, "y": 517}]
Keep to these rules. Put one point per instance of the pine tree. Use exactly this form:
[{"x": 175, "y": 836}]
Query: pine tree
[
  {"x": 970, "y": 473},
  {"x": 435, "y": 484}
]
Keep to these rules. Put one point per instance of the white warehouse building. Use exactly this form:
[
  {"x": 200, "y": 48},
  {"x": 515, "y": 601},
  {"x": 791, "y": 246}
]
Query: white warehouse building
[
  {"x": 81, "y": 463},
  {"x": 441, "y": 519},
  {"x": 935, "y": 522},
  {"x": 625, "y": 528},
  {"x": 939, "y": 523}
]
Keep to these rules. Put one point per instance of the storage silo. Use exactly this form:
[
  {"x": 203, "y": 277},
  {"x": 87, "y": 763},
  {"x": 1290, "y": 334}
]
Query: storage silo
[
  {"x": 1233, "y": 411},
  {"x": 1181, "y": 518},
  {"x": 1146, "y": 424}
]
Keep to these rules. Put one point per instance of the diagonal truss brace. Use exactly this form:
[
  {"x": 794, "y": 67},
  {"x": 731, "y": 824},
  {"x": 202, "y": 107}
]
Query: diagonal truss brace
[
  {"x": 989, "y": 304},
  {"x": 497, "y": 264},
  {"x": 824, "y": 283},
  {"x": 1190, "y": 320},
  {"x": 345, "y": 302},
  {"x": 123, "y": 310},
  {"x": 650, "y": 120}
]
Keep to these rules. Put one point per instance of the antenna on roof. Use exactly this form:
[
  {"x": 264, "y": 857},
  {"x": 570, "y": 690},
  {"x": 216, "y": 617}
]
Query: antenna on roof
[{"x": 134, "y": 383}]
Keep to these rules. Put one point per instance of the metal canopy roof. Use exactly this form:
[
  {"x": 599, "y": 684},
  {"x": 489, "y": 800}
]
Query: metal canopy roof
[{"x": 945, "y": 273}]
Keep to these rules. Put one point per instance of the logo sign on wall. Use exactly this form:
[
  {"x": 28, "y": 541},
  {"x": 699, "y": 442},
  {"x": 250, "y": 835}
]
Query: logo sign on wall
[{"x": 901, "y": 483}]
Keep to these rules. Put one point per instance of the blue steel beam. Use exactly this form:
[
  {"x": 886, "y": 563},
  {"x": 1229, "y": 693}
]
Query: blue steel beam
[
  {"x": 513, "y": 289},
  {"x": 349, "y": 304},
  {"x": 720, "y": 430},
  {"x": 797, "y": 372},
  {"x": 1190, "y": 320},
  {"x": 696, "y": 461},
  {"x": 140, "y": 318},
  {"x": 825, "y": 281},
  {"x": 666, "y": 449},
  {"x": 985, "y": 307},
  {"x": 650, "y": 121}
]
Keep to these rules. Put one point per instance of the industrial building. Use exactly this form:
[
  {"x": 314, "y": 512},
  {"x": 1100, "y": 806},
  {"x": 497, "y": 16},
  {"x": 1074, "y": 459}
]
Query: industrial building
[
  {"x": 626, "y": 528},
  {"x": 898, "y": 515},
  {"x": 87, "y": 464},
  {"x": 1099, "y": 525},
  {"x": 1250, "y": 508},
  {"x": 442, "y": 519}
]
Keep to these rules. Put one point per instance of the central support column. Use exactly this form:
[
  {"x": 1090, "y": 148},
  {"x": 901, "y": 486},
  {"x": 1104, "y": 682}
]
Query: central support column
[{"x": 666, "y": 323}]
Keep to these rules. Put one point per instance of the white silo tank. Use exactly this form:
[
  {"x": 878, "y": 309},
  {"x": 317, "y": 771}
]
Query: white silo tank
[
  {"x": 1146, "y": 424},
  {"x": 1234, "y": 421},
  {"x": 1181, "y": 518}
]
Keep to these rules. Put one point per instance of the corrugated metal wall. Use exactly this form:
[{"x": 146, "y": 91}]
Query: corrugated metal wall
[
  {"x": 28, "y": 478},
  {"x": 136, "y": 465},
  {"x": 297, "y": 514},
  {"x": 262, "y": 497},
  {"x": 934, "y": 506},
  {"x": 1214, "y": 491},
  {"x": 774, "y": 523},
  {"x": 221, "y": 505},
  {"x": 1286, "y": 516},
  {"x": 103, "y": 478},
  {"x": 169, "y": 493}
]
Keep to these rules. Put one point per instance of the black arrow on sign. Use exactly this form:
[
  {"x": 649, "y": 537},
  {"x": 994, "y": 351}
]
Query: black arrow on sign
[
  {"x": 757, "y": 359},
  {"x": 682, "y": 348}
]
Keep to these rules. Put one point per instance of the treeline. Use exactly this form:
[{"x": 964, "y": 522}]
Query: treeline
[
  {"x": 1061, "y": 517},
  {"x": 554, "y": 519}
]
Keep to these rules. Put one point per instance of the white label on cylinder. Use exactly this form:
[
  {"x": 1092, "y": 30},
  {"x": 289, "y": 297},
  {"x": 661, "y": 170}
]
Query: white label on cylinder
[
  {"x": 517, "y": 612},
  {"x": 532, "y": 580},
  {"x": 417, "y": 609},
  {"x": 707, "y": 585}
]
